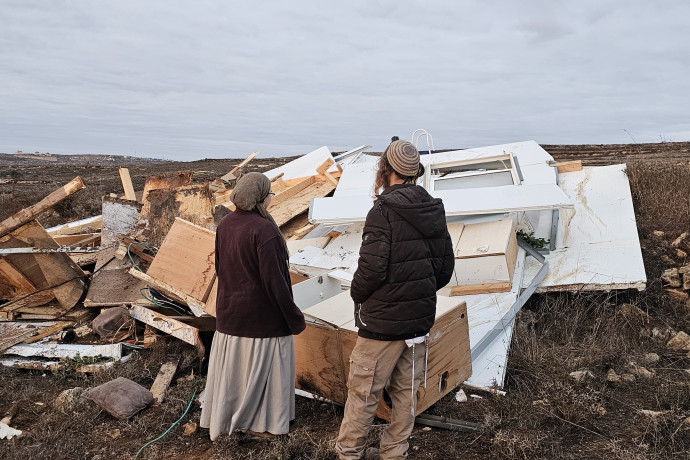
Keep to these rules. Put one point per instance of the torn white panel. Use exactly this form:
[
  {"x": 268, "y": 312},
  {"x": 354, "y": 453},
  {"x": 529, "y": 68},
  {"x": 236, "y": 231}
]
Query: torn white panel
[
  {"x": 65, "y": 228},
  {"x": 597, "y": 246},
  {"x": 304, "y": 166},
  {"x": 341, "y": 275},
  {"x": 495, "y": 200},
  {"x": 340, "y": 253},
  {"x": 296, "y": 245},
  {"x": 60, "y": 350},
  {"x": 315, "y": 290}
]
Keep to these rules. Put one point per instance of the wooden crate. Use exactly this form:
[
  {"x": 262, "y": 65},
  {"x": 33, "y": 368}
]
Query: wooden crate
[
  {"x": 323, "y": 351},
  {"x": 485, "y": 256}
]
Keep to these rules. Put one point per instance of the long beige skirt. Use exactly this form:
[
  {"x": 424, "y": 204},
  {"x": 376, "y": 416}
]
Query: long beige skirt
[{"x": 250, "y": 385}]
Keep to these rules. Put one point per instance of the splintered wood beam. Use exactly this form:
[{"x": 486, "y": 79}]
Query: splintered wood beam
[
  {"x": 30, "y": 213},
  {"x": 231, "y": 175},
  {"x": 164, "y": 377},
  {"x": 127, "y": 184}
]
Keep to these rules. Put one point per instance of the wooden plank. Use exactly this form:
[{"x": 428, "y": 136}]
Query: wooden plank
[
  {"x": 186, "y": 260},
  {"x": 13, "y": 336},
  {"x": 480, "y": 288},
  {"x": 30, "y": 213},
  {"x": 16, "y": 283},
  {"x": 111, "y": 287},
  {"x": 127, "y": 184},
  {"x": 567, "y": 166},
  {"x": 231, "y": 175},
  {"x": 48, "y": 331},
  {"x": 303, "y": 231},
  {"x": 167, "y": 181},
  {"x": 299, "y": 203},
  {"x": 325, "y": 165},
  {"x": 170, "y": 326},
  {"x": 195, "y": 305},
  {"x": 78, "y": 240},
  {"x": 164, "y": 377},
  {"x": 210, "y": 304},
  {"x": 292, "y": 191}
]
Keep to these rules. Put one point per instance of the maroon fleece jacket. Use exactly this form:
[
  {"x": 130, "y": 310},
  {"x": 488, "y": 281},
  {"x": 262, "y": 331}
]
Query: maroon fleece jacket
[{"x": 254, "y": 290}]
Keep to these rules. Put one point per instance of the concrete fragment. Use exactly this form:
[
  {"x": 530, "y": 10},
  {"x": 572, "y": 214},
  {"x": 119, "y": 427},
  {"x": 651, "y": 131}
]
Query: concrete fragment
[
  {"x": 579, "y": 376},
  {"x": 686, "y": 281},
  {"x": 68, "y": 400},
  {"x": 684, "y": 269},
  {"x": 426, "y": 428},
  {"x": 681, "y": 254},
  {"x": 680, "y": 341},
  {"x": 114, "y": 433},
  {"x": 644, "y": 372},
  {"x": 671, "y": 277},
  {"x": 460, "y": 396},
  {"x": 190, "y": 428},
  {"x": 667, "y": 260},
  {"x": 679, "y": 240},
  {"x": 612, "y": 377},
  {"x": 627, "y": 377},
  {"x": 650, "y": 358},
  {"x": 601, "y": 410},
  {"x": 658, "y": 233},
  {"x": 662, "y": 333}
]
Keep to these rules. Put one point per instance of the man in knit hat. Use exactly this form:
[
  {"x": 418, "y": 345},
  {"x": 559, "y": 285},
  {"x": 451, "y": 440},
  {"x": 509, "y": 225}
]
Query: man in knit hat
[{"x": 406, "y": 256}]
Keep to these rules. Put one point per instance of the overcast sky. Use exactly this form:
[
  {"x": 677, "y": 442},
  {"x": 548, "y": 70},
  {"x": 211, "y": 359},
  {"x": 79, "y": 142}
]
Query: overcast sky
[{"x": 186, "y": 80}]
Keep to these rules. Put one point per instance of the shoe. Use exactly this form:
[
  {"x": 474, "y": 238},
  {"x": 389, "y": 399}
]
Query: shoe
[{"x": 372, "y": 453}]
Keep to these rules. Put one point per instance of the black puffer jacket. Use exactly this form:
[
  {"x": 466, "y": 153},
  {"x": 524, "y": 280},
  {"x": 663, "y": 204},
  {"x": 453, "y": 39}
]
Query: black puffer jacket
[{"x": 406, "y": 256}]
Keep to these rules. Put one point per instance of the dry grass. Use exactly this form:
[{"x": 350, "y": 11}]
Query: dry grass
[{"x": 545, "y": 413}]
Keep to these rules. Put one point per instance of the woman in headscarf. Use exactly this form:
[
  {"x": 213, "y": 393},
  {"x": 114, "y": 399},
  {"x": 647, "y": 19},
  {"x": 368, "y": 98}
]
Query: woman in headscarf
[{"x": 250, "y": 385}]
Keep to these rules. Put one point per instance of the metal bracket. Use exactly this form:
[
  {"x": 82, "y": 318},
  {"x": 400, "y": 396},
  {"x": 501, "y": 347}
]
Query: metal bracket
[
  {"x": 446, "y": 423},
  {"x": 515, "y": 308}
]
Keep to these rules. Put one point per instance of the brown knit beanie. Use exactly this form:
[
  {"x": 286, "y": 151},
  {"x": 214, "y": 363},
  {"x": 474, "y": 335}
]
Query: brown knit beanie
[{"x": 403, "y": 158}]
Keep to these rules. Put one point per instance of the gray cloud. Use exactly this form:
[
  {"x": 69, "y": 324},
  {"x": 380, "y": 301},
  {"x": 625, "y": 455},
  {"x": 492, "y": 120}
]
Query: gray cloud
[{"x": 186, "y": 80}]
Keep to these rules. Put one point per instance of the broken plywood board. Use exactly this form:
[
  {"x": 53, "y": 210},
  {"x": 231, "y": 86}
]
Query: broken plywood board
[
  {"x": 299, "y": 203},
  {"x": 54, "y": 271},
  {"x": 597, "y": 246},
  {"x": 10, "y": 336},
  {"x": 464, "y": 202},
  {"x": 192, "y": 203},
  {"x": 296, "y": 245},
  {"x": 321, "y": 370},
  {"x": 186, "y": 260},
  {"x": 28, "y": 214},
  {"x": 231, "y": 175}
]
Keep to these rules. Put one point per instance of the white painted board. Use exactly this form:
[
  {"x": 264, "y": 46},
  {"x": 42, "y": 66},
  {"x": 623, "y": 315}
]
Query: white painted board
[
  {"x": 303, "y": 166},
  {"x": 495, "y": 200},
  {"x": 60, "y": 350},
  {"x": 315, "y": 290},
  {"x": 597, "y": 246}
]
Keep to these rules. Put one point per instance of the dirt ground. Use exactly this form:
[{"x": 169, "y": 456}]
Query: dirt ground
[{"x": 545, "y": 413}]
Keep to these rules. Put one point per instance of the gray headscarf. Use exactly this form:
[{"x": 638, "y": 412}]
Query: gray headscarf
[{"x": 249, "y": 194}]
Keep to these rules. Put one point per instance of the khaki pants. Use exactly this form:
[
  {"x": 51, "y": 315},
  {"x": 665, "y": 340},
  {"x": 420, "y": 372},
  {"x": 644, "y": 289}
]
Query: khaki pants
[{"x": 375, "y": 364}]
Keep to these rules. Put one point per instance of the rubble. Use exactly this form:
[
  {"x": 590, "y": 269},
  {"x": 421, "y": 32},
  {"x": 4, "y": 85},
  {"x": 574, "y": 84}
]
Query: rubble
[
  {"x": 68, "y": 400},
  {"x": 680, "y": 341}
]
